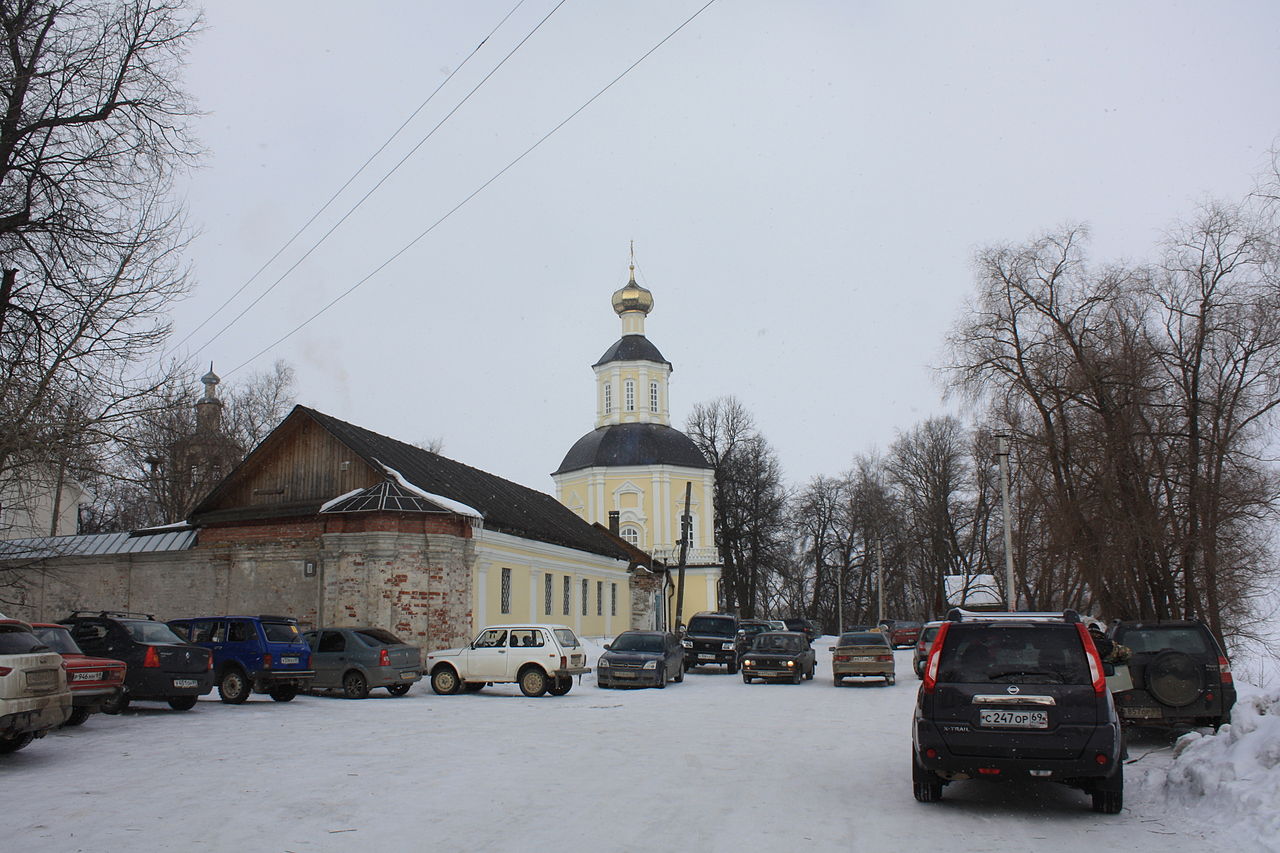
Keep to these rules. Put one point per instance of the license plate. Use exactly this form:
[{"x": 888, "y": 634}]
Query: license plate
[
  {"x": 185, "y": 682},
  {"x": 87, "y": 676},
  {"x": 706, "y": 657},
  {"x": 42, "y": 678},
  {"x": 289, "y": 659},
  {"x": 408, "y": 676},
  {"x": 1141, "y": 713},
  {"x": 1014, "y": 719},
  {"x": 863, "y": 660},
  {"x": 624, "y": 675}
]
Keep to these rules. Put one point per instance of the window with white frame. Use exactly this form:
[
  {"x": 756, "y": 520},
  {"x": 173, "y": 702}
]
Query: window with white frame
[
  {"x": 584, "y": 596},
  {"x": 630, "y": 395},
  {"x": 599, "y": 598},
  {"x": 506, "y": 590},
  {"x": 631, "y": 533},
  {"x": 547, "y": 593},
  {"x": 608, "y": 397},
  {"x": 653, "y": 397}
]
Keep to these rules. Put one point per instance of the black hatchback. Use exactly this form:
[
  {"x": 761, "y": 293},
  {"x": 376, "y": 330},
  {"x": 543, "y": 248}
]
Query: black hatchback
[
  {"x": 1016, "y": 697},
  {"x": 1178, "y": 675}
]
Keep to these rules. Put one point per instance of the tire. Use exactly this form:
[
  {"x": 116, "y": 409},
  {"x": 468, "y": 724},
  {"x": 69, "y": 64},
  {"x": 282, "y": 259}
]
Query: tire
[
  {"x": 889, "y": 681},
  {"x": 401, "y": 689},
  {"x": 561, "y": 686},
  {"x": 837, "y": 680},
  {"x": 13, "y": 743},
  {"x": 533, "y": 681},
  {"x": 662, "y": 682},
  {"x": 798, "y": 677},
  {"x": 445, "y": 682},
  {"x": 809, "y": 674},
  {"x": 116, "y": 703},
  {"x": 355, "y": 685},
  {"x": 679, "y": 673},
  {"x": 746, "y": 679},
  {"x": 926, "y": 786},
  {"x": 733, "y": 668},
  {"x": 234, "y": 687},
  {"x": 78, "y": 716},
  {"x": 284, "y": 693},
  {"x": 687, "y": 666},
  {"x": 1108, "y": 794},
  {"x": 182, "y": 703}
]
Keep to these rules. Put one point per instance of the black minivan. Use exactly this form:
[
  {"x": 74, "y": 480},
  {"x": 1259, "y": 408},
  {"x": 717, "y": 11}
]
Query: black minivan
[{"x": 1017, "y": 697}]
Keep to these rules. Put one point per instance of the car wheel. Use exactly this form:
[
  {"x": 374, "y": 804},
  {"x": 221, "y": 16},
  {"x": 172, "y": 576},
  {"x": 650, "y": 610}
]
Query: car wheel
[
  {"x": 836, "y": 680},
  {"x": 1108, "y": 794},
  {"x": 445, "y": 682},
  {"x": 13, "y": 743},
  {"x": 561, "y": 686},
  {"x": 78, "y": 716},
  {"x": 662, "y": 681},
  {"x": 746, "y": 679},
  {"x": 797, "y": 677},
  {"x": 355, "y": 685},
  {"x": 401, "y": 689},
  {"x": 182, "y": 703},
  {"x": 285, "y": 693},
  {"x": 889, "y": 681},
  {"x": 679, "y": 674},
  {"x": 533, "y": 682},
  {"x": 733, "y": 668},
  {"x": 926, "y": 786},
  {"x": 116, "y": 703},
  {"x": 234, "y": 687}
]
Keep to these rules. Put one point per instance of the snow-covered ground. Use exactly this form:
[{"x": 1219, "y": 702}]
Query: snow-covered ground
[{"x": 708, "y": 765}]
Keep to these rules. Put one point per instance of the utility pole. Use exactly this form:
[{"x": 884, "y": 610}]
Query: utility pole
[
  {"x": 686, "y": 521},
  {"x": 880, "y": 575},
  {"x": 1002, "y": 453}
]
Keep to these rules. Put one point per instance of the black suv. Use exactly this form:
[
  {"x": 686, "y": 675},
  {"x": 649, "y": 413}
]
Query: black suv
[
  {"x": 1016, "y": 696},
  {"x": 713, "y": 638},
  {"x": 1180, "y": 675},
  {"x": 162, "y": 666}
]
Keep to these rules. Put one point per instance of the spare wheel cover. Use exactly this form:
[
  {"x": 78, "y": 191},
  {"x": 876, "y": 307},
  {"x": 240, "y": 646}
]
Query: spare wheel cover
[{"x": 1175, "y": 679}]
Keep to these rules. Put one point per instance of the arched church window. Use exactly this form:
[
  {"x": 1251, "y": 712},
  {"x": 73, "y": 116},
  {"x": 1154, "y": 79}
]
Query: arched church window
[
  {"x": 630, "y": 395},
  {"x": 653, "y": 396},
  {"x": 608, "y": 398},
  {"x": 631, "y": 534}
]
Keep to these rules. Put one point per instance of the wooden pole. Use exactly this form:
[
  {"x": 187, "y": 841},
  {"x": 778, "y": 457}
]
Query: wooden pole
[{"x": 685, "y": 523}]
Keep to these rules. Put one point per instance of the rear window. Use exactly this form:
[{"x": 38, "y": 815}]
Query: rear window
[
  {"x": 377, "y": 637},
  {"x": 927, "y": 634},
  {"x": 711, "y": 625},
  {"x": 20, "y": 643},
  {"x": 58, "y": 639},
  {"x": 1155, "y": 639},
  {"x": 1040, "y": 654},
  {"x": 151, "y": 632},
  {"x": 280, "y": 632},
  {"x": 567, "y": 638},
  {"x": 863, "y": 638}
]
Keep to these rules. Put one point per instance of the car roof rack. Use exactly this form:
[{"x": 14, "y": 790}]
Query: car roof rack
[
  {"x": 958, "y": 614},
  {"x": 112, "y": 614},
  {"x": 267, "y": 617}
]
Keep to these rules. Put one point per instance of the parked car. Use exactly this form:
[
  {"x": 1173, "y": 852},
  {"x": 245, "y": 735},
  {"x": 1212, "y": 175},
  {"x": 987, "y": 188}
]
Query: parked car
[
  {"x": 1179, "y": 673},
  {"x": 252, "y": 654},
  {"x": 904, "y": 633},
  {"x": 34, "y": 696},
  {"x": 807, "y": 627},
  {"x": 162, "y": 667},
  {"x": 93, "y": 681},
  {"x": 1016, "y": 697},
  {"x": 641, "y": 659},
  {"x": 862, "y": 653},
  {"x": 749, "y": 628},
  {"x": 712, "y": 639},
  {"x": 927, "y": 632},
  {"x": 778, "y": 655},
  {"x": 356, "y": 660},
  {"x": 540, "y": 658}
]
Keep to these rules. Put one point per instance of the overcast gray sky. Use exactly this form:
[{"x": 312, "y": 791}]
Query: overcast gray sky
[{"x": 805, "y": 182}]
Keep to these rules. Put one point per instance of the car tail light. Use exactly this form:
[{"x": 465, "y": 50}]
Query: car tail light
[
  {"x": 5, "y": 670},
  {"x": 931, "y": 753},
  {"x": 989, "y": 771},
  {"x": 384, "y": 658},
  {"x": 1095, "y": 662},
  {"x": 1100, "y": 759},
  {"x": 1224, "y": 671},
  {"x": 209, "y": 663},
  {"x": 884, "y": 658},
  {"x": 266, "y": 661},
  {"x": 931, "y": 668},
  {"x": 152, "y": 658}
]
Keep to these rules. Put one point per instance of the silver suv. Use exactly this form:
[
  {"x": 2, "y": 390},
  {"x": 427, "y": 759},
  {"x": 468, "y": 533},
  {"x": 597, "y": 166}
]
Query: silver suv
[
  {"x": 34, "y": 696},
  {"x": 540, "y": 658}
]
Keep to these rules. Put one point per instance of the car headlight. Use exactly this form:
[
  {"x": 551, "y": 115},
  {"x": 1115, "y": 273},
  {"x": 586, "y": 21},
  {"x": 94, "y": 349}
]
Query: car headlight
[
  {"x": 688, "y": 644},
  {"x": 726, "y": 646},
  {"x": 748, "y": 662},
  {"x": 791, "y": 663},
  {"x": 650, "y": 664},
  {"x": 602, "y": 663}
]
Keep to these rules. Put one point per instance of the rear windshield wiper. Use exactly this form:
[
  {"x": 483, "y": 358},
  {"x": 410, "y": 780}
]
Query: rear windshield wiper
[{"x": 996, "y": 676}]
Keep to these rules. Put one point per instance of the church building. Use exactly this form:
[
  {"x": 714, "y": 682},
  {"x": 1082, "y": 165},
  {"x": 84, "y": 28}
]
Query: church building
[{"x": 632, "y": 472}]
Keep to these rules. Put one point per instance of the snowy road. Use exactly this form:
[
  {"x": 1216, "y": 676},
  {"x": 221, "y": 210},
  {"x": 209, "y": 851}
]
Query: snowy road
[{"x": 708, "y": 765}]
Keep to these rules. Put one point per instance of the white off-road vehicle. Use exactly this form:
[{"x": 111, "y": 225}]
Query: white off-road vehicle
[{"x": 540, "y": 658}]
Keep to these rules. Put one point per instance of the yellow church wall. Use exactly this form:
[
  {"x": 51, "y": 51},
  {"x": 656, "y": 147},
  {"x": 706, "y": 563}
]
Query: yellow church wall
[
  {"x": 530, "y": 563},
  {"x": 699, "y": 593}
]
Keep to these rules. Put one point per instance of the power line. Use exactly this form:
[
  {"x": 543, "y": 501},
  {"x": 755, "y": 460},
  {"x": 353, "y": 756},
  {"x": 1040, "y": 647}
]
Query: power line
[
  {"x": 470, "y": 196},
  {"x": 348, "y": 183}
]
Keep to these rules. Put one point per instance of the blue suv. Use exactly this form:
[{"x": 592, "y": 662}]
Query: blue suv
[{"x": 252, "y": 654}]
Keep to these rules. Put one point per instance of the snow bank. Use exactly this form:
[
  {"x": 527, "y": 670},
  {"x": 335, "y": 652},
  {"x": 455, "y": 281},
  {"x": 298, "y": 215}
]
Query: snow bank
[{"x": 1232, "y": 779}]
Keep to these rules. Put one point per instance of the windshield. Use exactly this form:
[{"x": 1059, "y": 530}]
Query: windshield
[
  {"x": 58, "y": 639},
  {"x": 566, "y": 638},
  {"x": 1042, "y": 654},
  {"x": 637, "y": 643},
  {"x": 281, "y": 632},
  {"x": 777, "y": 643},
  {"x": 864, "y": 638},
  {"x": 1181, "y": 638},
  {"x": 377, "y": 637},
  {"x": 151, "y": 632},
  {"x": 711, "y": 625}
]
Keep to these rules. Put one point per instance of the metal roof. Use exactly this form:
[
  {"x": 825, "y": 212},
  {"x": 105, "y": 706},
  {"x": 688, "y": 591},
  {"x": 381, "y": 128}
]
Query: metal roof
[{"x": 97, "y": 545}]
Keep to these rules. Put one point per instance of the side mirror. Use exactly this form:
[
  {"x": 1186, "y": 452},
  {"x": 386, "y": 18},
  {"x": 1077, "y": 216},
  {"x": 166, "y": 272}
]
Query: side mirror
[
  {"x": 608, "y": 647},
  {"x": 831, "y": 648}
]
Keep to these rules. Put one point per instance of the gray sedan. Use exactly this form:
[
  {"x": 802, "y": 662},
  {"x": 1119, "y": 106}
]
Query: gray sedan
[{"x": 354, "y": 660}]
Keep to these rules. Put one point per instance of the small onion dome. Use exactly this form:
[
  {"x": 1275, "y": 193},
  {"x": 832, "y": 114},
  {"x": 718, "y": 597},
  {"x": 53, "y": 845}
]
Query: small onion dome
[
  {"x": 633, "y": 297},
  {"x": 210, "y": 378}
]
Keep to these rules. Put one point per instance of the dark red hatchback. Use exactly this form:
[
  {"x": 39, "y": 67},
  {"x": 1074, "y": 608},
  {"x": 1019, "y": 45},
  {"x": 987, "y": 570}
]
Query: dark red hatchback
[{"x": 93, "y": 681}]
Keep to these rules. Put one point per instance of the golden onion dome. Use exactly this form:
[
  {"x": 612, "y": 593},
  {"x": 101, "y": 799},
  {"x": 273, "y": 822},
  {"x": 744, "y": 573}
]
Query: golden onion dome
[{"x": 632, "y": 297}]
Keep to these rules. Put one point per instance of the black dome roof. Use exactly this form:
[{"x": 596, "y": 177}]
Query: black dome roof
[
  {"x": 632, "y": 348},
  {"x": 633, "y": 444}
]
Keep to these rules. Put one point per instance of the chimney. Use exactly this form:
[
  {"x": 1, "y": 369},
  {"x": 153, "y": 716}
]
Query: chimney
[{"x": 613, "y": 521}]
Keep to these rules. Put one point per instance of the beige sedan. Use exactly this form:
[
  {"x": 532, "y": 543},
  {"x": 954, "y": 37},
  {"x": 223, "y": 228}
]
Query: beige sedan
[{"x": 862, "y": 653}]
